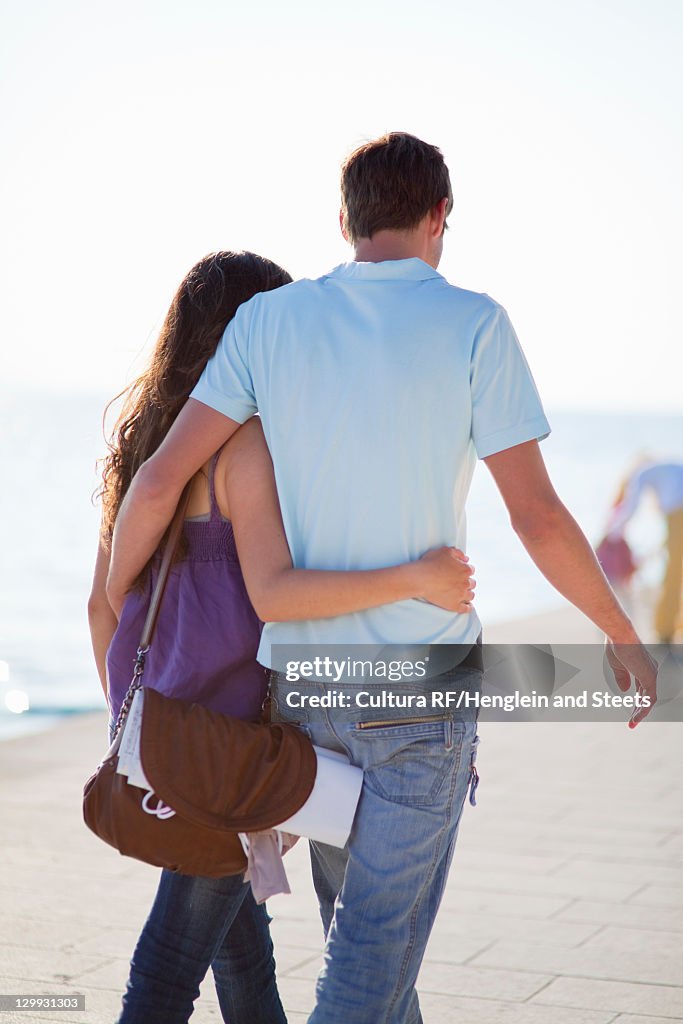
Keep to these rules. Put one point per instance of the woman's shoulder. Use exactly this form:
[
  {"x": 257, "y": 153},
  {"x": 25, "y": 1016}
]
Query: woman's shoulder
[{"x": 245, "y": 452}]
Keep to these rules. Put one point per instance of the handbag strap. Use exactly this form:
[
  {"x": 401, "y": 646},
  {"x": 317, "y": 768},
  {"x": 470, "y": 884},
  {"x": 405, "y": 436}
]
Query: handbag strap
[{"x": 170, "y": 548}]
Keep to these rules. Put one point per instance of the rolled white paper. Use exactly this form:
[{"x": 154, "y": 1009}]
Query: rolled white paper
[{"x": 327, "y": 815}]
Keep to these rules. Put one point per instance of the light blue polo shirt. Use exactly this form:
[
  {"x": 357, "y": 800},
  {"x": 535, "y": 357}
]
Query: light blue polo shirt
[{"x": 378, "y": 386}]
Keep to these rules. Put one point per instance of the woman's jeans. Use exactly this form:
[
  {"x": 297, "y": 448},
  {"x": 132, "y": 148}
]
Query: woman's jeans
[
  {"x": 379, "y": 896},
  {"x": 194, "y": 923}
]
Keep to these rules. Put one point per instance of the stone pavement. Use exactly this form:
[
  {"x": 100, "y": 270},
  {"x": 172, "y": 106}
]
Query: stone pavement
[{"x": 564, "y": 904}]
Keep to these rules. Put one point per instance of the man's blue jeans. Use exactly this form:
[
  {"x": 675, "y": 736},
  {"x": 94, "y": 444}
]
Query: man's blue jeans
[
  {"x": 379, "y": 896},
  {"x": 194, "y": 923}
]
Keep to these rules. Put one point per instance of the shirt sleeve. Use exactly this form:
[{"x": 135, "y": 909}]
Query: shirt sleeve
[
  {"x": 506, "y": 408},
  {"x": 226, "y": 384}
]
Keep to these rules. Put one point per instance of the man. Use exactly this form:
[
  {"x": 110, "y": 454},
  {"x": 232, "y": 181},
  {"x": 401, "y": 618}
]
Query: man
[
  {"x": 665, "y": 481},
  {"x": 377, "y": 384}
]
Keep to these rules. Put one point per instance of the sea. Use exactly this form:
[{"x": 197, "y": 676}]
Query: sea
[{"x": 50, "y": 445}]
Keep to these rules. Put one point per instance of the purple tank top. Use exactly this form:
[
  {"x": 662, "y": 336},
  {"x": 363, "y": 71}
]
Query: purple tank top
[{"x": 207, "y": 634}]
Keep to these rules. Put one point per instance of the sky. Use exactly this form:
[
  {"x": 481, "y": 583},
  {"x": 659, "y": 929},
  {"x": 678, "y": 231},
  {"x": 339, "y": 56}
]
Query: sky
[{"x": 139, "y": 136}]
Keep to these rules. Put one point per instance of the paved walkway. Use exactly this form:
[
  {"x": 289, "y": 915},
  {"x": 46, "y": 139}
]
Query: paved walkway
[{"x": 564, "y": 905}]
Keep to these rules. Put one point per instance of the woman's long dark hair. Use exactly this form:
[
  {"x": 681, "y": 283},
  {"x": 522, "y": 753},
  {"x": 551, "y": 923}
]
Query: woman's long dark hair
[{"x": 204, "y": 304}]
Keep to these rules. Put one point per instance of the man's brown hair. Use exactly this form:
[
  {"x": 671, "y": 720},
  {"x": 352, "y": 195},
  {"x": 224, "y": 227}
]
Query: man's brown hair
[{"x": 392, "y": 183}]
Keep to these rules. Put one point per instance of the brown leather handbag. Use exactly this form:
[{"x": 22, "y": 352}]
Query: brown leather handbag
[{"x": 211, "y": 775}]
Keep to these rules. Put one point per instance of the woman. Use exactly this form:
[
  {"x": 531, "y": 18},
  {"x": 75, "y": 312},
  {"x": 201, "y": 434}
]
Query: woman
[{"x": 208, "y": 632}]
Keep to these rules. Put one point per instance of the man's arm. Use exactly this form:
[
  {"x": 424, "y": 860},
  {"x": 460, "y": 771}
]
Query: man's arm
[
  {"x": 154, "y": 493},
  {"x": 557, "y": 545}
]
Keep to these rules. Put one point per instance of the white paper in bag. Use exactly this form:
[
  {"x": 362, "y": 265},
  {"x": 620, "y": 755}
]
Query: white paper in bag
[
  {"x": 129, "y": 763},
  {"x": 327, "y": 815}
]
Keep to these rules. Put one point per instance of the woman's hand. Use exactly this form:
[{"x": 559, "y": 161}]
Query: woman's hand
[{"x": 447, "y": 579}]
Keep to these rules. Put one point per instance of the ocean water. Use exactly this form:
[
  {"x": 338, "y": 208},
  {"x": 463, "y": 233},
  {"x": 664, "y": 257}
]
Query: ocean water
[{"x": 49, "y": 525}]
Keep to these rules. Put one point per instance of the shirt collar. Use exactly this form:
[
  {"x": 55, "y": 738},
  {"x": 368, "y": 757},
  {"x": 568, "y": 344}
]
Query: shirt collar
[{"x": 413, "y": 269}]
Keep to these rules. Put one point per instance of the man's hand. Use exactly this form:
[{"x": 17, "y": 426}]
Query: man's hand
[
  {"x": 447, "y": 579},
  {"x": 632, "y": 659}
]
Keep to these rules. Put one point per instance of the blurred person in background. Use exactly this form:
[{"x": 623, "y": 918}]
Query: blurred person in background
[
  {"x": 665, "y": 481},
  {"x": 614, "y": 553}
]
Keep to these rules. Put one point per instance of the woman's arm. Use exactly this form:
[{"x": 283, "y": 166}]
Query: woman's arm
[
  {"x": 103, "y": 621},
  {"x": 245, "y": 487}
]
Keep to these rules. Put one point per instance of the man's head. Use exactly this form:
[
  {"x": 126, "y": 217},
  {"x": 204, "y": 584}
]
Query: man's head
[{"x": 392, "y": 184}]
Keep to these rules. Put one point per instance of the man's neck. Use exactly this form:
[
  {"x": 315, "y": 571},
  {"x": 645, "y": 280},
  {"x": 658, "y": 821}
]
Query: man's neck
[{"x": 391, "y": 245}]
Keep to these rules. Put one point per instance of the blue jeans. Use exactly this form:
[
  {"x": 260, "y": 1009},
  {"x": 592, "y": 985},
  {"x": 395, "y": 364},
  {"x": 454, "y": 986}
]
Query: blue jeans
[
  {"x": 379, "y": 896},
  {"x": 194, "y": 923}
]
